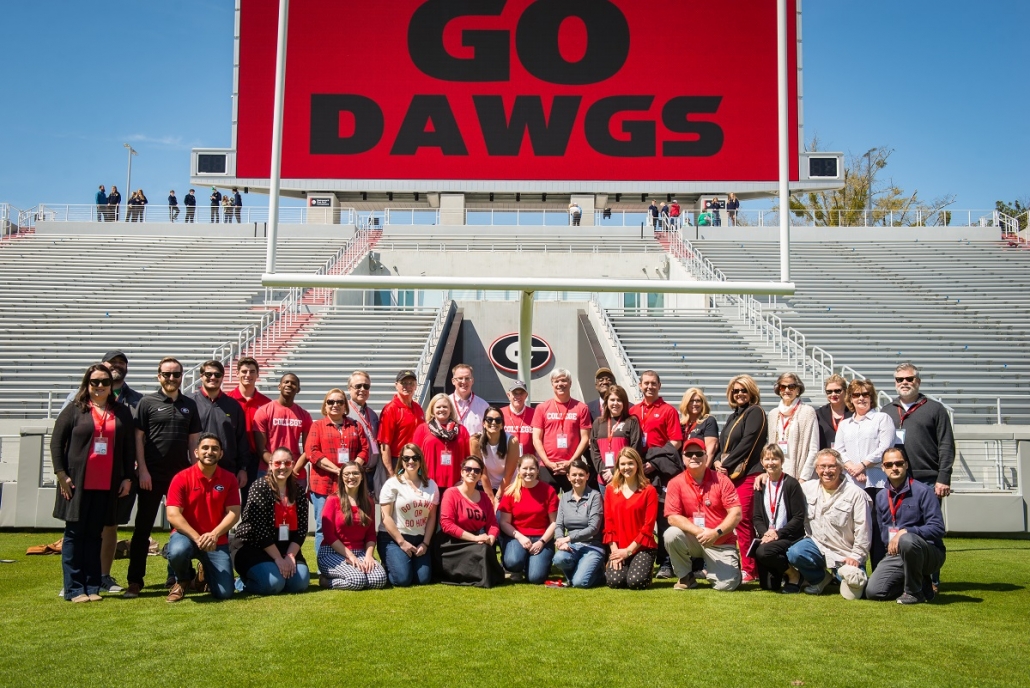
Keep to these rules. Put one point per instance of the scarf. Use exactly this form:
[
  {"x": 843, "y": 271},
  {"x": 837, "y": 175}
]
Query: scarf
[{"x": 446, "y": 433}]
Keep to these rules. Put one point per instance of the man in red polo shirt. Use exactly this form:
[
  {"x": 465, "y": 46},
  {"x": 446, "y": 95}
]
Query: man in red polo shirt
[
  {"x": 659, "y": 422},
  {"x": 203, "y": 503},
  {"x": 561, "y": 431},
  {"x": 702, "y": 508},
  {"x": 518, "y": 417},
  {"x": 282, "y": 423},
  {"x": 251, "y": 400},
  {"x": 399, "y": 419}
]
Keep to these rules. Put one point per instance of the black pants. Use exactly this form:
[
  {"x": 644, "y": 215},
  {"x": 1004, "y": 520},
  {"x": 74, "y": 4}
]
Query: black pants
[
  {"x": 635, "y": 573},
  {"x": 663, "y": 524},
  {"x": 148, "y": 503},
  {"x": 236, "y": 211},
  {"x": 771, "y": 558},
  {"x": 907, "y": 571},
  {"x": 190, "y": 211},
  {"x": 878, "y": 550},
  {"x": 558, "y": 482}
]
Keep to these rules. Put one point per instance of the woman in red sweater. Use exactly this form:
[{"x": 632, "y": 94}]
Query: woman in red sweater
[
  {"x": 630, "y": 513},
  {"x": 349, "y": 532},
  {"x": 463, "y": 550},
  {"x": 527, "y": 515},
  {"x": 443, "y": 440},
  {"x": 332, "y": 442}
]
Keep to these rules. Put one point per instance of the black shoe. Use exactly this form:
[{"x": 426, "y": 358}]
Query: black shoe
[
  {"x": 929, "y": 590},
  {"x": 664, "y": 572},
  {"x": 911, "y": 599},
  {"x": 790, "y": 589}
]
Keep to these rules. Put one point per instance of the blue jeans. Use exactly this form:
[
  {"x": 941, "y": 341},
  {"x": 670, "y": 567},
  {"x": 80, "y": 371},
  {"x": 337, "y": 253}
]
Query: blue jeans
[
  {"x": 265, "y": 579},
  {"x": 805, "y": 556},
  {"x": 318, "y": 503},
  {"x": 583, "y": 566},
  {"x": 80, "y": 553},
  {"x": 217, "y": 564},
  {"x": 402, "y": 570},
  {"x": 517, "y": 559}
]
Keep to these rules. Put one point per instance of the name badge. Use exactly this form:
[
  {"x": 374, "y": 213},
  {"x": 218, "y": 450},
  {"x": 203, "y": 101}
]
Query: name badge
[
  {"x": 100, "y": 446},
  {"x": 784, "y": 447},
  {"x": 445, "y": 458},
  {"x": 899, "y": 436},
  {"x": 563, "y": 441},
  {"x": 284, "y": 533},
  {"x": 893, "y": 532},
  {"x": 699, "y": 519},
  {"x": 609, "y": 459},
  {"x": 342, "y": 456}
]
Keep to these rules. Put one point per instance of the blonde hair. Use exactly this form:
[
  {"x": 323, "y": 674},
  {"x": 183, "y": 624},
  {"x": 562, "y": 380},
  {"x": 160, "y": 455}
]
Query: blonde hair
[
  {"x": 432, "y": 405},
  {"x": 706, "y": 410},
  {"x": 618, "y": 480},
  {"x": 748, "y": 383},
  {"x": 835, "y": 378},
  {"x": 325, "y": 407},
  {"x": 515, "y": 489}
]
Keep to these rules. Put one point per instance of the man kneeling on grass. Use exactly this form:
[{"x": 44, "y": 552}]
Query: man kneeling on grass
[
  {"x": 838, "y": 530},
  {"x": 912, "y": 528},
  {"x": 203, "y": 504}
]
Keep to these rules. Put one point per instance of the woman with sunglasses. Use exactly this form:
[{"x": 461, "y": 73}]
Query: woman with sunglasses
[
  {"x": 526, "y": 516},
  {"x": 739, "y": 458},
  {"x": 793, "y": 428},
  {"x": 93, "y": 450},
  {"x": 409, "y": 502},
  {"x": 830, "y": 415},
  {"x": 334, "y": 441},
  {"x": 463, "y": 552},
  {"x": 779, "y": 516},
  {"x": 630, "y": 515},
  {"x": 272, "y": 531},
  {"x": 579, "y": 548},
  {"x": 697, "y": 421},
  {"x": 499, "y": 452},
  {"x": 444, "y": 441},
  {"x": 614, "y": 430},
  {"x": 349, "y": 530}
]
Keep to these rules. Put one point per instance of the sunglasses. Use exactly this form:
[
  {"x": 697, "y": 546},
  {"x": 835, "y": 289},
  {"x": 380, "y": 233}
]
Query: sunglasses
[
  {"x": 493, "y": 421},
  {"x": 792, "y": 387},
  {"x": 100, "y": 382},
  {"x": 335, "y": 402},
  {"x": 861, "y": 395},
  {"x": 409, "y": 458},
  {"x": 211, "y": 374},
  {"x": 834, "y": 392},
  {"x": 361, "y": 385},
  {"x": 171, "y": 376},
  {"x": 281, "y": 463},
  {"x": 694, "y": 455},
  {"x": 740, "y": 391},
  {"x": 907, "y": 378},
  {"x": 472, "y": 470},
  {"x": 893, "y": 464}
]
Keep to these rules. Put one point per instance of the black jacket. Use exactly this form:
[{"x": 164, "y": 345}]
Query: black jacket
[
  {"x": 630, "y": 431},
  {"x": 668, "y": 463},
  {"x": 216, "y": 198},
  {"x": 795, "y": 504},
  {"x": 827, "y": 433},
  {"x": 743, "y": 437},
  {"x": 70, "y": 445},
  {"x": 225, "y": 417},
  {"x": 189, "y": 200},
  {"x": 929, "y": 444}
]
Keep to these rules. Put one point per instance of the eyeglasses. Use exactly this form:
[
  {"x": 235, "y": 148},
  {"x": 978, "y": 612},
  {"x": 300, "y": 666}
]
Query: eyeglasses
[
  {"x": 361, "y": 385},
  {"x": 335, "y": 402},
  {"x": 472, "y": 470},
  {"x": 893, "y": 464},
  {"x": 834, "y": 392},
  {"x": 171, "y": 376},
  {"x": 907, "y": 378},
  {"x": 740, "y": 391},
  {"x": 792, "y": 387},
  {"x": 282, "y": 463},
  {"x": 493, "y": 421},
  {"x": 861, "y": 395},
  {"x": 462, "y": 379},
  {"x": 100, "y": 382},
  {"x": 409, "y": 458},
  {"x": 694, "y": 455},
  {"x": 214, "y": 374}
]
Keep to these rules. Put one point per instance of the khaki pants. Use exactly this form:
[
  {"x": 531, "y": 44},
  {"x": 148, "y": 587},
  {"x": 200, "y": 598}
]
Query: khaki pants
[{"x": 722, "y": 562}]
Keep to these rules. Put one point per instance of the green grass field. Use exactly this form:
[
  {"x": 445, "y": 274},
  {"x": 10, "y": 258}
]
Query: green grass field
[{"x": 975, "y": 634}]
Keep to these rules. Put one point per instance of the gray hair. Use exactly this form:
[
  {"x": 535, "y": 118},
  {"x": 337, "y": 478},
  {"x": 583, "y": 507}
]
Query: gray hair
[
  {"x": 833, "y": 453},
  {"x": 560, "y": 372},
  {"x": 907, "y": 365}
]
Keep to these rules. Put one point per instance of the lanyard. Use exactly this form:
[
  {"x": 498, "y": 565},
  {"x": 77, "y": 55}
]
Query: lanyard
[
  {"x": 689, "y": 429},
  {"x": 789, "y": 417},
  {"x": 99, "y": 430},
  {"x": 894, "y": 506},
  {"x": 609, "y": 430},
  {"x": 902, "y": 415},
  {"x": 457, "y": 408},
  {"x": 835, "y": 420},
  {"x": 774, "y": 500}
]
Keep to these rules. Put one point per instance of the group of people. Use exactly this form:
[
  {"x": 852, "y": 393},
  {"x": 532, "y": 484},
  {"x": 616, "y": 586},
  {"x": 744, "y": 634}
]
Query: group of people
[
  {"x": 794, "y": 498},
  {"x": 224, "y": 207},
  {"x": 669, "y": 216}
]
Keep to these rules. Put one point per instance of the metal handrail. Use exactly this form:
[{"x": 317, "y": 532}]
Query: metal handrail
[
  {"x": 64, "y": 212},
  {"x": 613, "y": 337},
  {"x": 425, "y": 358}
]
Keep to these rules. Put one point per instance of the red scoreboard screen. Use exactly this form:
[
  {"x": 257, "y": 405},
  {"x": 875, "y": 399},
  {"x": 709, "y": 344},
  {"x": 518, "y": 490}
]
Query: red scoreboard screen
[{"x": 517, "y": 90}]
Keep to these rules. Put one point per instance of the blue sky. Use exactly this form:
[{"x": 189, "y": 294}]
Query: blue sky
[{"x": 942, "y": 82}]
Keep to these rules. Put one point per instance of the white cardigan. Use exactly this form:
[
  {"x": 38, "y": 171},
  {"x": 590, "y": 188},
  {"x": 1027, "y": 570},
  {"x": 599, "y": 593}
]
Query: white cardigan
[{"x": 802, "y": 437}]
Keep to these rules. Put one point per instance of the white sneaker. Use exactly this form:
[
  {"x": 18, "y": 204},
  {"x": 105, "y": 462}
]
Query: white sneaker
[{"x": 818, "y": 588}]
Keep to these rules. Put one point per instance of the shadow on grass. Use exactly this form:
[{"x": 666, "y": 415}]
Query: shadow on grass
[
  {"x": 944, "y": 598},
  {"x": 966, "y": 586}
]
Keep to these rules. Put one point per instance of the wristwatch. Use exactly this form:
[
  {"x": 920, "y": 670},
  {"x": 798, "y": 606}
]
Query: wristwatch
[{"x": 718, "y": 531}]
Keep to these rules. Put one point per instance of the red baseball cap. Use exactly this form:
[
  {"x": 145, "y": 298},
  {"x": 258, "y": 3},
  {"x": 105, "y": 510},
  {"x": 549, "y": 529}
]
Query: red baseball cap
[{"x": 694, "y": 442}]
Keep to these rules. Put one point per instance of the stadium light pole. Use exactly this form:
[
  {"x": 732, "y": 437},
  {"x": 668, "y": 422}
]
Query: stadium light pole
[
  {"x": 128, "y": 174},
  {"x": 784, "y": 138},
  {"x": 869, "y": 184},
  {"x": 277, "y": 138}
]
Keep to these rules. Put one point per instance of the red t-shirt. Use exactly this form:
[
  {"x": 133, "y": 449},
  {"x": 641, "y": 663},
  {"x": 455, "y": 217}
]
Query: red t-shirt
[
  {"x": 446, "y": 471},
  {"x": 250, "y": 408},
  {"x": 630, "y": 520},
  {"x": 204, "y": 501},
  {"x": 100, "y": 466},
  {"x": 458, "y": 514},
  {"x": 325, "y": 441},
  {"x": 283, "y": 427},
  {"x": 397, "y": 425},
  {"x": 554, "y": 418},
  {"x": 355, "y": 536},
  {"x": 659, "y": 423},
  {"x": 521, "y": 427},
  {"x": 530, "y": 515},
  {"x": 717, "y": 495}
]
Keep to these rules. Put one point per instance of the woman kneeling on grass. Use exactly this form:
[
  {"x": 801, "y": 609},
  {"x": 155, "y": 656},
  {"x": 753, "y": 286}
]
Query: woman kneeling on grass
[
  {"x": 349, "y": 536},
  {"x": 527, "y": 515},
  {"x": 409, "y": 501},
  {"x": 272, "y": 530},
  {"x": 580, "y": 553},
  {"x": 463, "y": 553},
  {"x": 779, "y": 516},
  {"x": 630, "y": 514}
]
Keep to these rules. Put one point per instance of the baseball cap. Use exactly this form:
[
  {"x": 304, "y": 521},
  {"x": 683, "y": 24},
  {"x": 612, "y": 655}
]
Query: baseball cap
[
  {"x": 404, "y": 374},
  {"x": 604, "y": 371},
  {"x": 518, "y": 384},
  {"x": 114, "y": 354},
  {"x": 694, "y": 442}
]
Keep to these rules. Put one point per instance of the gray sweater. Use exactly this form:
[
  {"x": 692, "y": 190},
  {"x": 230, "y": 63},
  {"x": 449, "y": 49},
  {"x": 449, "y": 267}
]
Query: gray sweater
[{"x": 580, "y": 520}]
